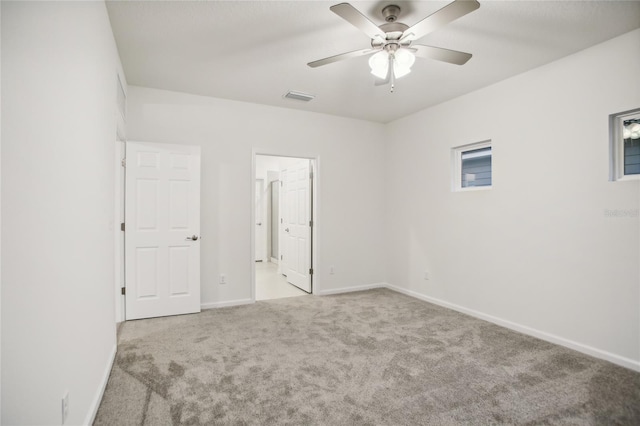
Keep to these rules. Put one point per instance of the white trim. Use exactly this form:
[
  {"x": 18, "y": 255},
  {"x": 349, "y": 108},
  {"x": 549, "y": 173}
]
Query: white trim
[
  {"x": 474, "y": 188},
  {"x": 119, "y": 260},
  {"x": 597, "y": 353},
  {"x": 95, "y": 404},
  {"x": 628, "y": 178},
  {"x": 215, "y": 305},
  {"x": 352, "y": 289}
]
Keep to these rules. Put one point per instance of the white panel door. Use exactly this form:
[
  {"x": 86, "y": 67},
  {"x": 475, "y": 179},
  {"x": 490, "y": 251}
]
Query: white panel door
[
  {"x": 298, "y": 225},
  {"x": 282, "y": 235},
  {"x": 260, "y": 239},
  {"x": 162, "y": 229}
]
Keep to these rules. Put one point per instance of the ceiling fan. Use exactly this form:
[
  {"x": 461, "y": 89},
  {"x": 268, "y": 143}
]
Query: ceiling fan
[{"x": 391, "y": 42}]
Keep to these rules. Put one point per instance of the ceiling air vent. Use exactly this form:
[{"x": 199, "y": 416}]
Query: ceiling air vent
[{"x": 299, "y": 96}]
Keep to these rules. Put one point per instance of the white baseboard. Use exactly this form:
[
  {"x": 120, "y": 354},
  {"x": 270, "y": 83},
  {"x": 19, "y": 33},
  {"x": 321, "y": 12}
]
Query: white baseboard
[
  {"x": 95, "y": 404},
  {"x": 228, "y": 303},
  {"x": 597, "y": 353},
  {"x": 351, "y": 289}
]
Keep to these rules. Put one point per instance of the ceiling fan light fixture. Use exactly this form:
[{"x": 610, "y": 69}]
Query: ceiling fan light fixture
[
  {"x": 400, "y": 71},
  {"x": 392, "y": 57},
  {"x": 403, "y": 61},
  {"x": 379, "y": 64}
]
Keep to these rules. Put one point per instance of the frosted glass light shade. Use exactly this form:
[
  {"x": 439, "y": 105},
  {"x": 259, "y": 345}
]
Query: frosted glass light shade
[
  {"x": 626, "y": 133},
  {"x": 403, "y": 61},
  {"x": 634, "y": 129},
  {"x": 379, "y": 64}
]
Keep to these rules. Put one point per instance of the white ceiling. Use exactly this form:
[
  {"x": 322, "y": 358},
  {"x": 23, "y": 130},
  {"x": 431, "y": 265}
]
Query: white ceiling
[{"x": 256, "y": 51}]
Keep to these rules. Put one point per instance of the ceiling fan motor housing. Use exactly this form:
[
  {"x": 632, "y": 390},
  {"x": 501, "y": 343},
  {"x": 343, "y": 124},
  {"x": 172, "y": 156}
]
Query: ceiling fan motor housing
[{"x": 393, "y": 31}]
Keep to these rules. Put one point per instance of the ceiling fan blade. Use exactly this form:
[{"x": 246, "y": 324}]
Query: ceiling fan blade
[
  {"x": 341, "y": 57},
  {"x": 440, "y": 18},
  {"x": 358, "y": 20},
  {"x": 440, "y": 54}
]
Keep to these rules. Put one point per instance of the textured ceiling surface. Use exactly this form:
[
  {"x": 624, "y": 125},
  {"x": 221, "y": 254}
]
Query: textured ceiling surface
[{"x": 256, "y": 51}]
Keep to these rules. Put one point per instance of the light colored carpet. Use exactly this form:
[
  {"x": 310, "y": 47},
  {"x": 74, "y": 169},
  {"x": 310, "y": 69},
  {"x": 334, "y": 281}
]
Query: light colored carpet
[{"x": 365, "y": 358}]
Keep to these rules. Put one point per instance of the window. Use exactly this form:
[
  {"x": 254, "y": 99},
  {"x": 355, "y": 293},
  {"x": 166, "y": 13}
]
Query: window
[
  {"x": 624, "y": 145},
  {"x": 472, "y": 168}
]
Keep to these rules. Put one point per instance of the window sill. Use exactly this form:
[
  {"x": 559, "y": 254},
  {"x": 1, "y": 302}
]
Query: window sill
[
  {"x": 473, "y": 188},
  {"x": 628, "y": 178}
]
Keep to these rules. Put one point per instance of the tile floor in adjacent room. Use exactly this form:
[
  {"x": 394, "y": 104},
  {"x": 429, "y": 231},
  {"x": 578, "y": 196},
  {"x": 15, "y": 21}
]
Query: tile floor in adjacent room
[{"x": 272, "y": 285}]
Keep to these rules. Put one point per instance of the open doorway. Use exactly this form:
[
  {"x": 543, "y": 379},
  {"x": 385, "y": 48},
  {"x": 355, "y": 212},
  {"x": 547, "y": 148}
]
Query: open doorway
[{"x": 283, "y": 226}]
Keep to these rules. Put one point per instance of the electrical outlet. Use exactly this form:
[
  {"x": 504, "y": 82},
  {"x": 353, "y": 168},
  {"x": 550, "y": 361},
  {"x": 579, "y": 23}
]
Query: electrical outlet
[
  {"x": 426, "y": 275},
  {"x": 223, "y": 279},
  {"x": 65, "y": 407}
]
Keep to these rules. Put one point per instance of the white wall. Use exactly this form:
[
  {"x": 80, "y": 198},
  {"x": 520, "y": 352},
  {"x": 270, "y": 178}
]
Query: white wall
[
  {"x": 536, "y": 250},
  {"x": 58, "y": 139},
  {"x": 351, "y": 202}
]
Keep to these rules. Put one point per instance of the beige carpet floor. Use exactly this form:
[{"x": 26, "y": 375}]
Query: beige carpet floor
[{"x": 367, "y": 358}]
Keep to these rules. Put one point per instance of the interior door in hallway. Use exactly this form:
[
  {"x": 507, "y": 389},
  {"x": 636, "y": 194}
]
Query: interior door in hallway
[
  {"x": 260, "y": 222},
  {"x": 297, "y": 224},
  {"x": 162, "y": 230},
  {"x": 282, "y": 235}
]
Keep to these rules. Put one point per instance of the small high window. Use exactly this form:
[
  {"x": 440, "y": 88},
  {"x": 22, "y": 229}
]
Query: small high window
[
  {"x": 472, "y": 166},
  {"x": 624, "y": 145}
]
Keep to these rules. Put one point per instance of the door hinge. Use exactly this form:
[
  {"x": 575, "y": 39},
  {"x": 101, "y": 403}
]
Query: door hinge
[
  {"x": 123, "y": 162},
  {"x": 122, "y": 226},
  {"x": 281, "y": 257},
  {"x": 311, "y": 223},
  {"x": 281, "y": 183},
  {"x": 310, "y": 271},
  {"x": 123, "y": 290}
]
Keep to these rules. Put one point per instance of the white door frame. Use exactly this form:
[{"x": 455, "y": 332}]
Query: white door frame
[
  {"x": 315, "y": 199},
  {"x": 120, "y": 154}
]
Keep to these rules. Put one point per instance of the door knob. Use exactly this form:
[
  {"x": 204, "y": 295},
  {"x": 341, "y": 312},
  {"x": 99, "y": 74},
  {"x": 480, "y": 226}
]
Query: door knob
[
  {"x": 286, "y": 229},
  {"x": 193, "y": 238}
]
